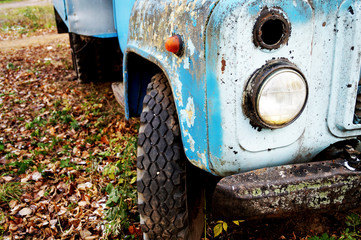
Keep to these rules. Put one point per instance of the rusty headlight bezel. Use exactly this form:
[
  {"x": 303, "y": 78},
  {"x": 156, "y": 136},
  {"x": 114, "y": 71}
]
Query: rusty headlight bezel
[
  {"x": 255, "y": 87},
  {"x": 272, "y": 29}
]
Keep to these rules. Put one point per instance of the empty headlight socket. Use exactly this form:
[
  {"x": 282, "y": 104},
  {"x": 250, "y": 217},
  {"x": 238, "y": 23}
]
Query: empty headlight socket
[{"x": 272, "y": 29}]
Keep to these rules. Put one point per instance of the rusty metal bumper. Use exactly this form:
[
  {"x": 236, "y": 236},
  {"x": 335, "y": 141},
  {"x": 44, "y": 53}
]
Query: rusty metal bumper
[{"x": 284, "y": 190}]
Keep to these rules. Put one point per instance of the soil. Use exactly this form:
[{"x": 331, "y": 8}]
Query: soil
[{"x": 31, "y": 41}]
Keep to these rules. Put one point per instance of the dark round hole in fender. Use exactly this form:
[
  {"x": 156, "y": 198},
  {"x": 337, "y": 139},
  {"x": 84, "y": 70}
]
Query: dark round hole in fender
[{"x": 272, "y": 29}]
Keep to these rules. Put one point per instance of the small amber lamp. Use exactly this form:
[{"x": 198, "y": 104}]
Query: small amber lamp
[{"x": 174, "y": 44}]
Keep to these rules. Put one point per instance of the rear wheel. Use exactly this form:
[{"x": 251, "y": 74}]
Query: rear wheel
[
  {"x": 96, "y": 59},
  {"x": 170, "y": 195}
]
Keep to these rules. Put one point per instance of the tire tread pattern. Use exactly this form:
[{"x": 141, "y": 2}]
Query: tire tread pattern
[{"x": 161, "y": 166}]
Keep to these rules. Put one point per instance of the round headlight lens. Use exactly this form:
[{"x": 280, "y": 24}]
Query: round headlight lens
[{"x": 281, "y": 97}]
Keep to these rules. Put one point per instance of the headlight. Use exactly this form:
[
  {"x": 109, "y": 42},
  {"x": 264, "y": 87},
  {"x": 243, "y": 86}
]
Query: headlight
[{"x": 276, "y": 95}]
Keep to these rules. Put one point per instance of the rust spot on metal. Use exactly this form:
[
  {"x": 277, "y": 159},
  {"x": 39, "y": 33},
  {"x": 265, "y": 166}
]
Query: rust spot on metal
[
  {"x": 272, "y": 29},
  {"x": 223, "y": 65}
]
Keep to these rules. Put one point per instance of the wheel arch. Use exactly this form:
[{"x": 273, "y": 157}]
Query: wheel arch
[
  {"x": 180, "y": 81},
  {"x": 136, "y": 79}
]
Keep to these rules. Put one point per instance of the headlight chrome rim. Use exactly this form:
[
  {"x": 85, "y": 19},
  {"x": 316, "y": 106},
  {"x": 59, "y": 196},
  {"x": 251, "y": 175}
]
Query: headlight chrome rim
[{"x": 256, "y": 85}]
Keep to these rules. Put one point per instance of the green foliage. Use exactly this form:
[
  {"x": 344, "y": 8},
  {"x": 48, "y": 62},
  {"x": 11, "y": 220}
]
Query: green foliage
[
  {"x": 7, "y": 1},
  {"x": 353, "y": 220},
  {"x": 323, "y": 237},
  {"x": 122, "y": 194},
  {"x": 2, "y": 221},
  {"x": 27, "y": 19},
  {"x": 37, "y": 122},
  {"x": 10, "y": 191},
  {"x": 218, "y": 229},
  {"x": 222, "y": 226},
  {"x": 11, "y": 66},
  {"x": 22, "y": 165},
  {"x": 65, "y": 163}
]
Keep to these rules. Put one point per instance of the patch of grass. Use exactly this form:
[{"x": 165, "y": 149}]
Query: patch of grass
[
  {"x": 2, "y": 221},
  {"x": 22, "y": 165},
  {"x": 122, "y": 194},
  {"x": 2, "y": 146},
  {"x": 10, "y": 191},
  {"x": 351, "y": 233},
  {"x": 7, "y": 1},
  {"x": 323, "y": 237},
  {"x": 27, "y": 19}
]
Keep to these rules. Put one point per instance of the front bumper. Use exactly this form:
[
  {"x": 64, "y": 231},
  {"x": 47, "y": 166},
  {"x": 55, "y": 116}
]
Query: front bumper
[{"x": 284, "y": 190}]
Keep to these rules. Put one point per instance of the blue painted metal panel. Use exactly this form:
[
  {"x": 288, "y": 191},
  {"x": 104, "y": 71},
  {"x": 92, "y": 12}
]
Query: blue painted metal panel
[
  {"x": 209, "y": 79},
  {"x": 88, "y": 17},
  {"x": 60, "y": 7},
  {"x": 151, "y": 23},
  {"x": 122, "y": 12},
  {"x": 106, "y": 35},
  {"x": 318, "y": 29}
]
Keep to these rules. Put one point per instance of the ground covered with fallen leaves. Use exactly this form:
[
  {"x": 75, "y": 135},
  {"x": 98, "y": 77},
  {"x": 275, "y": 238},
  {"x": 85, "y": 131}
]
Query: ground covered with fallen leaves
[
  {"x": 67, "y": 159},
  {"x": 59, "y": 144},
  {"x": 68, "y": 156}
]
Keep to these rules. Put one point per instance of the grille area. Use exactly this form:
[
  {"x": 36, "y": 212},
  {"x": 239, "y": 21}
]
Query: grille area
[{"x": 357, "y": 115}]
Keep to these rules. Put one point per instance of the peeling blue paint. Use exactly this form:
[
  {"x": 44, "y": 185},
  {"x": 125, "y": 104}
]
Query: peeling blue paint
[
  {"x": 209, "y": 79},
  {"x": 296, "y": 11},
  {"x": 123, "y": 11},
  {"x": 214, "y": 111}
]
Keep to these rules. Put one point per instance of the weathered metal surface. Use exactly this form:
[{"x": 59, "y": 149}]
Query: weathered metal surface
[
  {"x": 272, "y": 29},
  {"x": 220, "y": 55},
  {"x": 122, "y": 12},
  {"x": 317, "y": 27},
  {"x": 151, "y": 23},
  {"x": 346, "y": 71},
  {"x": 87, "y": 17},
  {"x": 357, "y": 116},
  {"x": 280, "y": 191},
  {"x": 60, "y": 7}
]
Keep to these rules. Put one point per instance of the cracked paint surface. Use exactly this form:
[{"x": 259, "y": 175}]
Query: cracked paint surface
[
  {"x": 151, "y": 23},
  {"x": 218, "y": 59},
  {"x": 188, "y": 114},
  {"x": 318, "y": 28}
]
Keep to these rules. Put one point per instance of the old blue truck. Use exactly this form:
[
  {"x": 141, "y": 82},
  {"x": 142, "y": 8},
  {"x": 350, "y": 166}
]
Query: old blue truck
[{"x": 254, "y": 104}]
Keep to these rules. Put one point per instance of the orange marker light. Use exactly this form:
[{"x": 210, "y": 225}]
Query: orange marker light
[{"x": 173, "y": 44}]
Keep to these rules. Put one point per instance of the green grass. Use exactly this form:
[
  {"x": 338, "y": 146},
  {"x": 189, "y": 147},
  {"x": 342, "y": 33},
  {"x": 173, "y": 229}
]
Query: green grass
[
  {"x": 122, "y": 194},
  {"x": 352, "y": 232},
  {"x": 27, "y": 19},
  {"x": 8, "y": 1},
  {"x": 10, "y": 191}
]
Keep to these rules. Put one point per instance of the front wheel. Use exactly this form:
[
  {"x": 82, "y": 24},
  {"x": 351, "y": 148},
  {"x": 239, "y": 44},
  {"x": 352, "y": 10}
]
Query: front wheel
[{"x": 170, "y": 195}]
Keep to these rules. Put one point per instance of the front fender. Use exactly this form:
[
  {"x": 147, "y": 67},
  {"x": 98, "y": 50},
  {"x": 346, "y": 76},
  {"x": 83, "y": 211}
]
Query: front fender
[{"x": 151, "y": 23}]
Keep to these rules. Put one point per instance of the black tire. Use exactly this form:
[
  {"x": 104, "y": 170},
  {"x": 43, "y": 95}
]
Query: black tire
[
  {"x": 96, "y": 59},
  {"x": 170, "y": 207}
]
